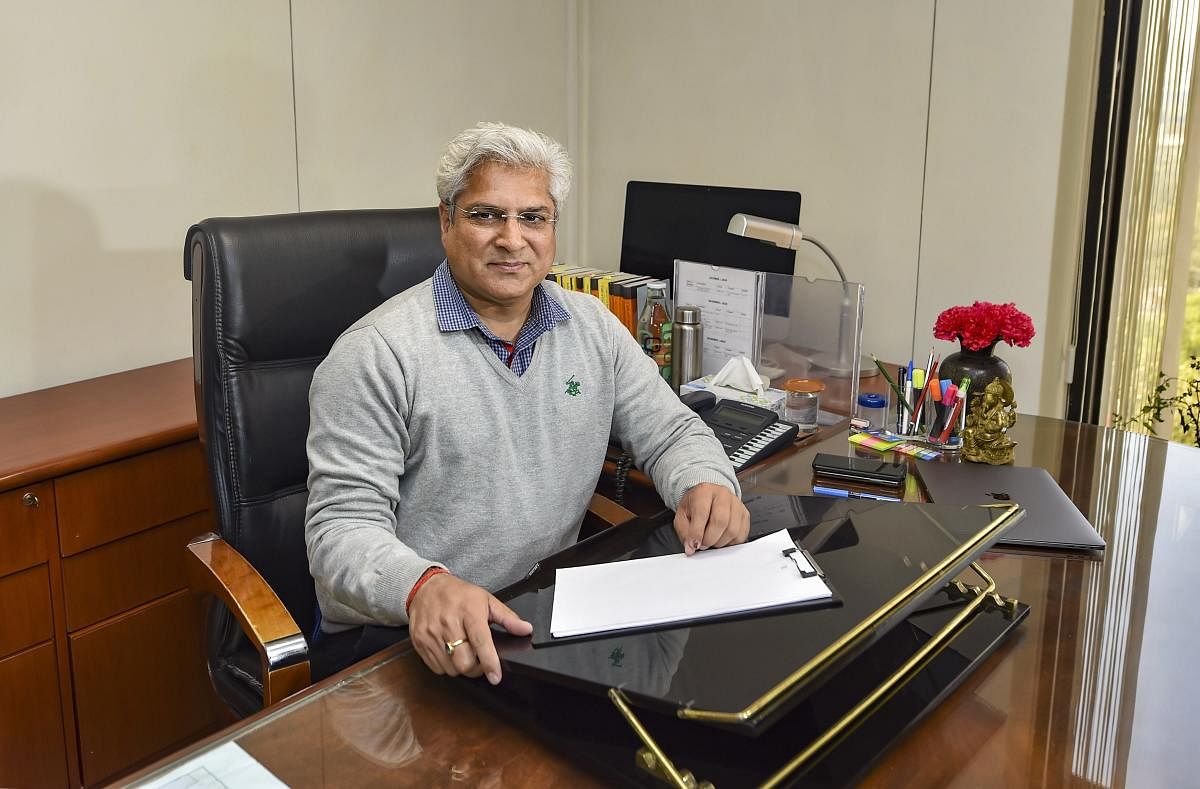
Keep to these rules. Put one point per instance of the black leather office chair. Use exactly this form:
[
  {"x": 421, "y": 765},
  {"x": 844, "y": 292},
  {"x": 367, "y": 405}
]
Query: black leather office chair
[{"x": 270, "y": 294}]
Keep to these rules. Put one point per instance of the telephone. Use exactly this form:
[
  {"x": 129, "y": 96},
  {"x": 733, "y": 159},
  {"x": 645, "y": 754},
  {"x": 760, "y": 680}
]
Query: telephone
[{"x": 748, "y": 433}]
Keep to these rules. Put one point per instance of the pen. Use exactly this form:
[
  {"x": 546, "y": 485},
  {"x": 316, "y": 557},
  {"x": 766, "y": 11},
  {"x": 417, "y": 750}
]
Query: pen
[
  {"x": 891, "y": 383},
  {"x": 821, "y": 490},
  {"x": 908, "y": 387},
  {"x": 901, "y": 402}
]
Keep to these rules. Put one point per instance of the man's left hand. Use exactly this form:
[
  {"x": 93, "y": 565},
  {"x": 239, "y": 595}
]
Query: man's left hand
[{"x": 710, "y": 516}]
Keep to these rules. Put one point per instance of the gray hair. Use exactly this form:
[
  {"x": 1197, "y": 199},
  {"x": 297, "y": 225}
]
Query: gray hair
[{"x": 498, "y": 142}]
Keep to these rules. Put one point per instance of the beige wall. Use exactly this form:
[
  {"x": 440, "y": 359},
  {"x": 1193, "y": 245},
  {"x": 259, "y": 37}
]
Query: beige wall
[
  {"x": 125, "y": 122},
  {"x": 120, "y": 124},
  {"x": 996, "y": 150}
]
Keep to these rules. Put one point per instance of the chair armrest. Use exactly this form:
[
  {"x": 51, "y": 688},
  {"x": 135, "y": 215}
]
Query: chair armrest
[
  {"x": 215, "y": 567},
  {"x": 608, "y": 511}
]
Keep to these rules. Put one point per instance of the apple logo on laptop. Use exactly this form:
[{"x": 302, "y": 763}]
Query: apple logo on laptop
[{"x": 1002, "y": 496}]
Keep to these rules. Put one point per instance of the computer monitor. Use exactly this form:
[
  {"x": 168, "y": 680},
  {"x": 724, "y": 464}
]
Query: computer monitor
[{"x": 668, "y": 221}]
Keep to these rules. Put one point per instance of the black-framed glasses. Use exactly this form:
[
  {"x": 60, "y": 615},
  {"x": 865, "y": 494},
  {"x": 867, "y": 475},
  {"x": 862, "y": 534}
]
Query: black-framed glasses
[{"x": 490, "y": 218}]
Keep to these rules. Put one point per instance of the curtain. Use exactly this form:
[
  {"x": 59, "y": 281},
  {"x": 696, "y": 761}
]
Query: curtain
[{"x": 1158, "y": 214}]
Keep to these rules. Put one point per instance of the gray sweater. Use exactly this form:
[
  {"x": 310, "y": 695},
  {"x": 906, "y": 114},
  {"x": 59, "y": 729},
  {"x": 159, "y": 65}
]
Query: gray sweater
[{"x": 425, "y": 449}]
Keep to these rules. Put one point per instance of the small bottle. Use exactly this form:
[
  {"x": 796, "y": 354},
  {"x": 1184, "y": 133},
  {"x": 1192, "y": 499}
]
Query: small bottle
[
  {"x": 803, "y": 403},
  {"x": 872, "y": 406},
  {"x": 654, "y": 328},
  {"x": 687, "y": 337}
]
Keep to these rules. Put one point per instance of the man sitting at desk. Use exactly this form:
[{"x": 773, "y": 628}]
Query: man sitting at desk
[{"x": 458, "y": 430}]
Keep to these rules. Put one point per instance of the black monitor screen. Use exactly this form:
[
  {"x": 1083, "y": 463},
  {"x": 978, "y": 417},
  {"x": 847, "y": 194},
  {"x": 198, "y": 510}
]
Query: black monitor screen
[{"x": 668, "y": 221}]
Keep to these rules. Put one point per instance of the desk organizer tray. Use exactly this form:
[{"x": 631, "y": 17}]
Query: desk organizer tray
[{"x": 804, "y": 697}]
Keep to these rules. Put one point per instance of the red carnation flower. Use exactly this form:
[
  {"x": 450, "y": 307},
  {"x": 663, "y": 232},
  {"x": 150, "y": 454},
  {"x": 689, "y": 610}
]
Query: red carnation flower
[{"x": 983, "y": 324}]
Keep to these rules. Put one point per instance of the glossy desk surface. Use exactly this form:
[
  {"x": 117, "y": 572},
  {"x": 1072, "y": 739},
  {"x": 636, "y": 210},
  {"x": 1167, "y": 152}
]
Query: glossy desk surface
[{"x": 1098, "y": 687}]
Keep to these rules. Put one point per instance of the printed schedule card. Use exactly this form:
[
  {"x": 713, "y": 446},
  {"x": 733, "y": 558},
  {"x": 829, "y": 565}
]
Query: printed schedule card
[{"x": 730, "y": 302}]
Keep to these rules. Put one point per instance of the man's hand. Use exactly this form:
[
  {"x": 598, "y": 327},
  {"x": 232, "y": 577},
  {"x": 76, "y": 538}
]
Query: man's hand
[
  {"x": 446, "y": 609},
  {"x": 710, "y": 516}
]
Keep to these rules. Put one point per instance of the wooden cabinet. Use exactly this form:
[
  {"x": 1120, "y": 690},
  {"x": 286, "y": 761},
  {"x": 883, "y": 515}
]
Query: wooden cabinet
[
  {"x": 32, "y": 748},
  {"x": 102, "y": 483},
  {"x": 32, "y": 745}
]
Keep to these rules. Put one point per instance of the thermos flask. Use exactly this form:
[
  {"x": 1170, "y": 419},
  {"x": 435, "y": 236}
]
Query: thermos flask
[{"x": 689, "y": 345}]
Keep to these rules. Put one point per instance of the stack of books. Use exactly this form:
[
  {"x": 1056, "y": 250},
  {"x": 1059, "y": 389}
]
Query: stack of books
[{"x": 623, "y": 293}]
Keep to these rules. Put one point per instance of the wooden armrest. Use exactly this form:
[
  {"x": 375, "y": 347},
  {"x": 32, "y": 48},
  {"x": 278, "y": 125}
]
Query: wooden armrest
[
  {"x": 608, "y": 511},
  {"x": 215, "y": 567}
]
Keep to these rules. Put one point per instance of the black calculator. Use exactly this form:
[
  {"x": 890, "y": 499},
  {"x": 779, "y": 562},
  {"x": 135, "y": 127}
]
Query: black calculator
[{"x": 748, "y": 433}]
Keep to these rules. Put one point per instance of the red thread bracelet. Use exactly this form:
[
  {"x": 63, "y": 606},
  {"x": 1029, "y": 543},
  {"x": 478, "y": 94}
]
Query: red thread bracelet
[{"x": 425, "y": 576}]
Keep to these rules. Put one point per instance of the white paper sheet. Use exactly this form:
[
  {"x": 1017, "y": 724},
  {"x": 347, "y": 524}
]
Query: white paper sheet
[
  {"x": 675, "y": 588},
  {"x": 223, "y": 767}
]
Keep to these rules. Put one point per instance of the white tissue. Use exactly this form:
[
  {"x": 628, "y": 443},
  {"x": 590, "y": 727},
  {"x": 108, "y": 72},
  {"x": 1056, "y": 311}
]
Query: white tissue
[{"x": 739, "y": 373}]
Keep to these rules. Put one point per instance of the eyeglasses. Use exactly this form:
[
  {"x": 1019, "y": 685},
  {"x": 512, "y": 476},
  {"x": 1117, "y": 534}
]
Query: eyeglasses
[{"x": 488, "y": 218}]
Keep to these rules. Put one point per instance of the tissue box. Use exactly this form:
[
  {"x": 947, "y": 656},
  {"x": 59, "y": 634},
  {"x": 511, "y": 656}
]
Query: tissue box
[{"x": 772, "y": 399}]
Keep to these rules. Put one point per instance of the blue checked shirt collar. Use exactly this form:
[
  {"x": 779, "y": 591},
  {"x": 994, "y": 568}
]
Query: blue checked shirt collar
[{"x": 455, "y": 314}]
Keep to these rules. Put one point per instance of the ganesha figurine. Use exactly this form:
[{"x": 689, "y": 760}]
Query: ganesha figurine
[{"x": 985, "y": 437}]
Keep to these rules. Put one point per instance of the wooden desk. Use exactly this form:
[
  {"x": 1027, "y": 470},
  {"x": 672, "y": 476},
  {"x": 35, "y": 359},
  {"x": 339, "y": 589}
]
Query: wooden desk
[{"x": 1098, "y": 688}]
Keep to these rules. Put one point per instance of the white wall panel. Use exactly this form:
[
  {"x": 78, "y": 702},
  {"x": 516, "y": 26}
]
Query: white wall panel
[
  {"x": 121, "y": 124},
  {"x": 381, "y": 87},
  {"x": 995, "y": 145}
]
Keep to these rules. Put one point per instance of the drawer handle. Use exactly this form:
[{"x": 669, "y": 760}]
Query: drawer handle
[{"x": 30, "y": 500}]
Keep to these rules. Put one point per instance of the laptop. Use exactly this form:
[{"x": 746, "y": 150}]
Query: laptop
[{"x": 1051, "y": 519}]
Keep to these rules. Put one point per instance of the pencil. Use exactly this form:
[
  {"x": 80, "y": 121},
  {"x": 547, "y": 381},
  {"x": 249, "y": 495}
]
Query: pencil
[{"x": 891, "y": 383}]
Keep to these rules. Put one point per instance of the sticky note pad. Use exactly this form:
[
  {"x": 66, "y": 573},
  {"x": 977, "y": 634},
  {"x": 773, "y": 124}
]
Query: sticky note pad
[
  {"x": 917, "y": 452},
  {"x": 873, "y": 442}
]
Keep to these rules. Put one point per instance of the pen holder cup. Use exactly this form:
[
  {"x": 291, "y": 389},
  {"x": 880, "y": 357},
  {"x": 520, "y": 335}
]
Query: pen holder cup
[{"x": 935, "y": 432}]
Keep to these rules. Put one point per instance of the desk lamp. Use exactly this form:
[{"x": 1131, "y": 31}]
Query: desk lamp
[{"x": 785, "y": 235}]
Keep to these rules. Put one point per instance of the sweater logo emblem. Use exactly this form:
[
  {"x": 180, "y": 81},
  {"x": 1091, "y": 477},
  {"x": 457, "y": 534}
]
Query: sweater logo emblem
[
  {"x": 572, "y": 387},
  {"x": 616, "y": 656}
]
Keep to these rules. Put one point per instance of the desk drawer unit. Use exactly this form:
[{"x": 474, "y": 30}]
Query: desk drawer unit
[
  {"x": 32, "y": 751},
  {"x": 128, "y": 572},
  {"x": 25, "y": 617},
  {"x": 141, "y": 684},
  {"x": 118, "y": 499},
  {"x": 32, "y": 743},
  {"x": 26, "y": 518},
  {"x": 135, "y": 633}
]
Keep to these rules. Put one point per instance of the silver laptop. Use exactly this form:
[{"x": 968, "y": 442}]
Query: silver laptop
[{"x": 1051, "y": 519}]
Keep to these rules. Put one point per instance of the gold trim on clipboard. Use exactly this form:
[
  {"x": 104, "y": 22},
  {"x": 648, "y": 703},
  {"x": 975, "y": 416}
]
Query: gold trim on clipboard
[
  {"x": 919, "y": 659},
  {"x": 1008, "y": 515},
  {"x": 653, "y": 759}
]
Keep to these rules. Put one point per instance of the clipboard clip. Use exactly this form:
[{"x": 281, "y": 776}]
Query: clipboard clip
[{"x": 790, "y": 553}]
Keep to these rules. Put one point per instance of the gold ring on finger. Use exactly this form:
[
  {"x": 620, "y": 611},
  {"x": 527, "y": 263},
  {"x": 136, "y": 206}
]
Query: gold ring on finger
[{"x": 451, "y": 645}]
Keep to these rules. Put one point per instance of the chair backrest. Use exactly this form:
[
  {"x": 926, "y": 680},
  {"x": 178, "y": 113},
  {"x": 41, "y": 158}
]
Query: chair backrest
[{"x": 270, "y": 294}]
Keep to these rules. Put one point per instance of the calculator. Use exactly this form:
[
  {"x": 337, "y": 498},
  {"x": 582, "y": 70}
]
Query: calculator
[{"x": 748, "y": 433}]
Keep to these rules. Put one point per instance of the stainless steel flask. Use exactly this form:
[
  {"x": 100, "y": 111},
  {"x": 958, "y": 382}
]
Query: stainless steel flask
[{"x": 687, "y": 355}]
